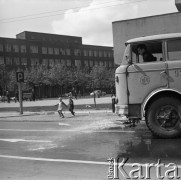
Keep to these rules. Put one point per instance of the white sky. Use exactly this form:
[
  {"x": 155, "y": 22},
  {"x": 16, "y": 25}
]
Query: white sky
[{"x": 90, "y": 19}]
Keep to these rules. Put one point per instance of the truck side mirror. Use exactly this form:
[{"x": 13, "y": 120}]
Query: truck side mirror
[{"x": 128, "y": 60}]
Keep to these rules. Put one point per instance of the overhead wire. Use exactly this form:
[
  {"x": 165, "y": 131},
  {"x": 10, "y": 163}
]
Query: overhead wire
[
  {"x": 47, "y": 12},
  {"x": 9, "y": 20}
]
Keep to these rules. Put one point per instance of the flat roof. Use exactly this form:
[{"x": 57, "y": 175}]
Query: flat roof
[
  {"x": 155, "y": 37},
  {"x": 146, "y": 17},
  {"x": 48, "y": 34}
]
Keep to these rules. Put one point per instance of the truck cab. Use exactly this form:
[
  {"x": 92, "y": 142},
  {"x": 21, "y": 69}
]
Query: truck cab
[{"x": 148, "y": 83}]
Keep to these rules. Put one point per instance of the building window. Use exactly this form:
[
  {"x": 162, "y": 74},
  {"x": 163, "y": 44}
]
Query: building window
[
  {"x": 90, "y": 52},
  {"x": 85, "y": 52},
  {"x": 91, "y": 63},
  {"x": 24, "y": 61},
  {"x": 69, "y": 62},
  {"x": 16, "y": 61},
  {"x": 62, "y": 51},
  {"x": 44, "y": 50},
  {"x": 77, "y": 52},
  {"x": 9, "y": 61},
  {"x": 8, "y": 47},
  {"x": 57, "y": 61},
  {"x": 34, "y": 49},
  {"x": 105, "y": 63},
  {"x": 15, "y": 48},
  {"x": 51, "y": 62},
  {"x": 95, "y": 53},
  {"x": 67, "y": 52},
  {"x": 63, "y": 62},
  {"x": 1, "y": 60},
  {"x": 110, "y": 54},
  {"x": 101, "y": 63},
  {"x": 78, "y": 63},
  {"x": 100, "y": 53},
  {"x": 86, "y": 63},
  {"x": 50, "y": 50},
  {"x": 56, "y": 51},
  {"x": 105, "y": 53},
  {"x": 1, "y": 47},
  {"x": 34, "y": 61},
  {"x": 23, "y": 48},
  {"x": 96, "y": 63},
  {"x": 45, "y": 62}
]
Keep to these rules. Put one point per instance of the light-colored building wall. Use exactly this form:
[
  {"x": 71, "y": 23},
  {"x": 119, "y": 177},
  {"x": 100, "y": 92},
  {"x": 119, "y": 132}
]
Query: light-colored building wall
[{"x": 128, "y": 29}]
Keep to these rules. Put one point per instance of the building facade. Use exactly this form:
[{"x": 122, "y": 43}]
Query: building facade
[{"x": 33, "y": 49}]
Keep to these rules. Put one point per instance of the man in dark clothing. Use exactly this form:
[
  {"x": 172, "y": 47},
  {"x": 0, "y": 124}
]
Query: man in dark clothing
[
  {"x": 147, "y": 56},
  {"x": 16, "y": 96},
  {"x": 33, "y": 94},
  {"x": 71, "y": 106},
  {"x": 113, "y": 97},
  {"x": 8, "y": 96}
]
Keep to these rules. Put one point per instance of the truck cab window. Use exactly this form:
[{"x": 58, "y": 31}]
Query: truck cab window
[
  {"x": 174, "y": 49},
  {"x": 146, "y": 52}
]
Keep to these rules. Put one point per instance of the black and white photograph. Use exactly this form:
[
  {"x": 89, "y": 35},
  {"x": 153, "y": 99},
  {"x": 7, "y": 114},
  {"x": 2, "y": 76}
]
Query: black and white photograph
[{"x": 90, "y": 89}]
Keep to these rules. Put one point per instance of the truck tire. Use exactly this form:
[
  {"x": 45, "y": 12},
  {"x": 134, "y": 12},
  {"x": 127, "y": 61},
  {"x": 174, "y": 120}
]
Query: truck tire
[{"x": 163, "y": 117}]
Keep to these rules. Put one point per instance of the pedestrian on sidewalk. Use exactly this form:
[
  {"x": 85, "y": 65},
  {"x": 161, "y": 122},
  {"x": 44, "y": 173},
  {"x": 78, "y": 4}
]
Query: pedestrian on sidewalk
[
  {"x": 60, "y": 107},
  {"x": 113, "y": 97},
  {"x": 16, "y": 96},
  {"x": 8, "y": 96},
  {"x": 71, "y": 106}
]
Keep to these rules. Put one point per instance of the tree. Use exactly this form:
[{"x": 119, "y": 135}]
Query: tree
[
  {"x": 37, "y": 76},
  {"x": 80, "y": 78},
  {"x": 58, "y": 76},
  {"x": 100, "y": 75},
  {"x": 11, "y": 81}
]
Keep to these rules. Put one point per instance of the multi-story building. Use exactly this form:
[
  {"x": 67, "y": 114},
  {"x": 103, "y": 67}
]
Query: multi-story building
[{"x": 33, "y": 49}]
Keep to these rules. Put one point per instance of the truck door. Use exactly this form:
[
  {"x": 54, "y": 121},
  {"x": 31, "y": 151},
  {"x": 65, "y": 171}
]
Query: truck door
[
  {"x": 145, "y": 77},
  {"x": 174, "y": 63}
]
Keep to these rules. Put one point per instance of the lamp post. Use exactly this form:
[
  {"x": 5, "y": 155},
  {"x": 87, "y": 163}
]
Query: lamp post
[
  {"x": 2, "y": 67},
  {"x": 94, "y": 92}
]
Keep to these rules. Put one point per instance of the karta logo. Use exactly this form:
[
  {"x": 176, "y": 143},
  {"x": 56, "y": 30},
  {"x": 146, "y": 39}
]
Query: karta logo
[{"x": 124, "y": 170}]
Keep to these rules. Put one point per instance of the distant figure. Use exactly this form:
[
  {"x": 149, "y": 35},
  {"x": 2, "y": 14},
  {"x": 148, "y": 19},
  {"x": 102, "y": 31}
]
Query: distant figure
[
  {"x": 69, "y": 94},
  {"x": 8, "y": 96},
  {"x": 147, "y": 56},
  {"x": 60, "y": 107},
  {"x": 16, "y": 96},
  {"x": 113, "y": 97},
  {"x": 75, "y": 94},
  {"x": 113, "y": 91},
  {"x": 33, "y": 94},
  {"x": 71, "y": 106}
]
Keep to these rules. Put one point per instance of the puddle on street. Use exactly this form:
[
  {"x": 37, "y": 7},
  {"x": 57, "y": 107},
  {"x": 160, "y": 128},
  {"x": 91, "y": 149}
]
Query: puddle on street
[
  {"x": 101, "y": 140},
  {"x": 142, "y": 148},
  {"x": 136, "y": 143}
]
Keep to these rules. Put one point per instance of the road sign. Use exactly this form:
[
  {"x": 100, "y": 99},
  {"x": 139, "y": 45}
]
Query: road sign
[{"x": 19, "y": 76}]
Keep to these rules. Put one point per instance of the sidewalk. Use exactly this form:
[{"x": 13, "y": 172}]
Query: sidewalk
[
  {"x": 27, "y": 113},
  {"x": 53, "y": 102}
]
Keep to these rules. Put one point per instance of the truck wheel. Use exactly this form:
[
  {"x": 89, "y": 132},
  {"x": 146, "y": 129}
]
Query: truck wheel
[{"x": 163, "y": 117}]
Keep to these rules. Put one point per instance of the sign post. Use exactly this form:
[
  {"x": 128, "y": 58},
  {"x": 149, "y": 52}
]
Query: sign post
[
  {"x": 94, "y": 93},
  {"x": 20, "y": 79}
]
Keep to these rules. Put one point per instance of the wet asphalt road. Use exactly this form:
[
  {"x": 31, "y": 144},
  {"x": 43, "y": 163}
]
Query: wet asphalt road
[{"x": 37, "y": 147}]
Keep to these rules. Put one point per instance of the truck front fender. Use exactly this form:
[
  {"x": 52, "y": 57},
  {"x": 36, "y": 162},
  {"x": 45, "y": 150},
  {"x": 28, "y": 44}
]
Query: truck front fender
[{"x": 157, "y": 93}]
